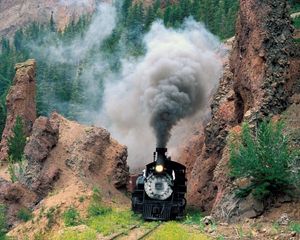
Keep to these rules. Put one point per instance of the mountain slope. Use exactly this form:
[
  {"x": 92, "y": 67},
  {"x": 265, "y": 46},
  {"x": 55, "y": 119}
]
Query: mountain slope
[{"x": 15, "y": 14}]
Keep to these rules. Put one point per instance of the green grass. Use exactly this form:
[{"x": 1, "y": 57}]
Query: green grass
[
  {"x": 113, "y": 221},
  {"x": 175, "y": 231},
  {"x": 75, "y": 235}
]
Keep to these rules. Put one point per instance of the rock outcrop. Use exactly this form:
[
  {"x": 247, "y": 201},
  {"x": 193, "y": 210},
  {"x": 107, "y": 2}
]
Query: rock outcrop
[
  {"x": 43, "y": 139},
  {"x": 20, "y": 101},
  {"x": 59, "y": 148},
  {"x": 256, "y": 84}
]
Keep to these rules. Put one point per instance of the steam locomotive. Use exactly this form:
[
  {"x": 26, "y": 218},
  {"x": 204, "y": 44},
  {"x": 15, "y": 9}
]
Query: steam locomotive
[{"x": 159, "y": 193}]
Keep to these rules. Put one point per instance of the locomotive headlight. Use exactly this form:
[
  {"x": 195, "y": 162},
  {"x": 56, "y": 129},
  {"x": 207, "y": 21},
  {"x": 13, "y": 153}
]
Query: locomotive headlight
[{"x": 159, "y": 168}]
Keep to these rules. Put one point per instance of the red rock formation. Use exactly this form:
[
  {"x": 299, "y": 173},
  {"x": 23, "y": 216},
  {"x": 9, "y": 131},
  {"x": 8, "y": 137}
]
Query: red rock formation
[
  {"x": 255, "y": 84},
  {"x": 43, "y": 139},
  {"x": 261, "y": 56},
  {"x": 20, "y": 101},
  {"x": 59, "y": 148}
]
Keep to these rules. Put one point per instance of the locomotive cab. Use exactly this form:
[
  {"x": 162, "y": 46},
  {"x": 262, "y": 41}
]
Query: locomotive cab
[{"x": 160, "y": 191}]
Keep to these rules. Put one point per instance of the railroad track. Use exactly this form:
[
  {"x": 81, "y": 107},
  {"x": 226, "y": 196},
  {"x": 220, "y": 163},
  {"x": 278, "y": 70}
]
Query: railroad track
[{"x": 142, "y": 237}]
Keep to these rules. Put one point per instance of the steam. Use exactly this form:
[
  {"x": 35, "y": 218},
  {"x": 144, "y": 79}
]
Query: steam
[{"x": 169, "y": 85}]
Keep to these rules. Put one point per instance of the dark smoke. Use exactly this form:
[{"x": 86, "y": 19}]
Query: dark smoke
[
  {"x": 171, "y": 100},
  {"x": 164, "y": 88}
]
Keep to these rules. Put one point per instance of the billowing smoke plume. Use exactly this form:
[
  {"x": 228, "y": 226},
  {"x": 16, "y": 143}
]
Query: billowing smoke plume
[
  {"x": 171, "y": 82},
  {"x": 155, "y": 96}
]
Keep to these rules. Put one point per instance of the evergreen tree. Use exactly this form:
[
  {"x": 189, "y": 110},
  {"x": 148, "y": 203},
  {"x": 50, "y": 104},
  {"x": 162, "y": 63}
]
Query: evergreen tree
[
  {"x": 149, "y": 18},
  {"x": 18, "y": 39},
  {"x": 52, "y": 23},
  {"x": 17, "y": 142}
]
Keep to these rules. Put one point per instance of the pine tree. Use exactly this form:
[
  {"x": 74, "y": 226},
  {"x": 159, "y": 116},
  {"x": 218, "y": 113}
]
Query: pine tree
[
  {"x": 52, "y": 23},
  {"x": 150, "y": 17},
  {"x": 17, "y": 142}
]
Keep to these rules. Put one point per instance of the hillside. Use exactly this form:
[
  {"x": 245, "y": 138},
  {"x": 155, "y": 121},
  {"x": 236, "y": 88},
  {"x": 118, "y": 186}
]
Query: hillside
[{"x": 16, "y": 14}]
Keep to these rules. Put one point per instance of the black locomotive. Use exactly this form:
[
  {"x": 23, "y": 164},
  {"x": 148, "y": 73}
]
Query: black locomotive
[{"x": 159, "y": 193}]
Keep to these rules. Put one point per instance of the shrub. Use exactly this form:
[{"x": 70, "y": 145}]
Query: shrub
[
  {"x": 51, "y": 216},
  {"x": 71, "y": 217},
  {"x": 265, "y": 157},
  {"x": 3, "y": 225},
  {"x": 97, "y": 209},
  {"x": 193, "y": 217},
  {"x": 24, "y": 214},
  {"x": 295, "y": 227}
]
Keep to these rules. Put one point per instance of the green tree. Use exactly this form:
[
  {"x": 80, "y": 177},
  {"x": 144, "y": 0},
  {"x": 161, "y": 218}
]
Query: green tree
[
  {"x": 52, "y": 23},
  {"x": 266, "y": 158},
  {"x": 17, "y": 142}
]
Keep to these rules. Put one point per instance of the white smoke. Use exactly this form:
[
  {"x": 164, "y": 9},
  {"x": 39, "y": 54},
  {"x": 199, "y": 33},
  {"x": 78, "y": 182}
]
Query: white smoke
[
  {"x": 100, "y": 28},
  {"x": 171, "y": 82},
  {"x": 77, "y": 52},
  {"x": 75, "y": 2}
]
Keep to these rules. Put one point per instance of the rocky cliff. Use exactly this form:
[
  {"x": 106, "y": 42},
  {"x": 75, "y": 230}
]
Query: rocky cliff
[
  {"x": 256, "y": 83},
  {"x": 18, "y": 13},
  {"x": 20, "y": 101}
]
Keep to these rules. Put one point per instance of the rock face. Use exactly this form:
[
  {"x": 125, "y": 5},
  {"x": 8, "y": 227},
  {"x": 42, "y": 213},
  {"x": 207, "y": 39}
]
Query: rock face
[
  {"x": 261, "y": 57},
  {"x": 17, "y": 13},
  {"x": 15, "y": 196},
  {"x": 256, "y": 83},
  {"x": 20, "y": 101},
  {"x": 43, "y": 139}
]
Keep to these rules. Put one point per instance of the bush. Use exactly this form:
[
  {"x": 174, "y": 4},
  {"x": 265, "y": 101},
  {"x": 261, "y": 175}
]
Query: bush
[
  {"x": 97, "y": 209},
  {"x": 24, "y": 214},
  {"x": 295, "y": 227},
  {"x": 3, "y": 226},
  {"x": 265, "y": 157},
  {"x": 71, "y": 217}
]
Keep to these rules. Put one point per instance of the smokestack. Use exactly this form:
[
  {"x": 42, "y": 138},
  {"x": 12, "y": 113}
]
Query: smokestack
[{"x": 161, "y": 156}]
